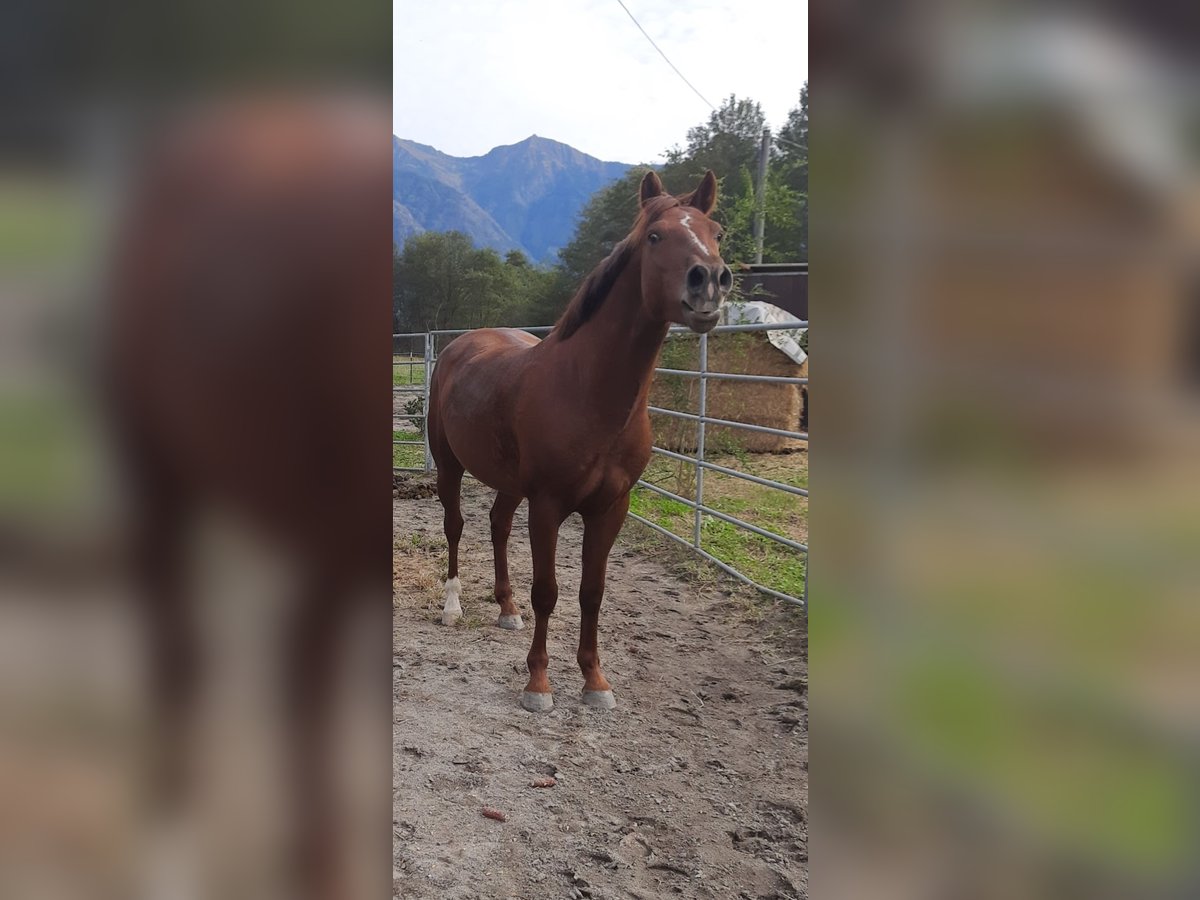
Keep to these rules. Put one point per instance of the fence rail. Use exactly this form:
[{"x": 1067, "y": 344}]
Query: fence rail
[{"x": 428, "y": 359}]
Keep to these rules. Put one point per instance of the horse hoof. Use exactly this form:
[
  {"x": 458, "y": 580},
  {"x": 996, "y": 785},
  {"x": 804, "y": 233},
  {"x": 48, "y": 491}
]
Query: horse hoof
[
  {"x": 599, "y": 699},
  {"x": 537, "y": 702},
  {"x": 450, "y": 617},
  {"x": 512, "y": 623}
]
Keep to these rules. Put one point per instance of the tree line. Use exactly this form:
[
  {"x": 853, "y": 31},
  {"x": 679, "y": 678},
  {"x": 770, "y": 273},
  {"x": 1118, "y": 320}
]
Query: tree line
[{"x": 441, "y": 280}]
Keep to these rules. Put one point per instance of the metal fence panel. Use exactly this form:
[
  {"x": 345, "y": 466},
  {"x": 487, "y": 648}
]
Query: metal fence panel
[{"x": 414, "y": 347}]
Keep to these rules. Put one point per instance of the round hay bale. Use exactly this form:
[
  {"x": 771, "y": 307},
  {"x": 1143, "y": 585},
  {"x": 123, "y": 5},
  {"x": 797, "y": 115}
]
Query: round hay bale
[{"x": 771, "y": 405}]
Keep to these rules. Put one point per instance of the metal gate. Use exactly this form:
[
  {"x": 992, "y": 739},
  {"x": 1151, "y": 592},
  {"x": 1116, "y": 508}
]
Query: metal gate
[{"x": 415, "y": 354}]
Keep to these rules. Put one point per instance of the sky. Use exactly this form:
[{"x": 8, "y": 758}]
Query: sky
[{"x": 470, "y": 75}]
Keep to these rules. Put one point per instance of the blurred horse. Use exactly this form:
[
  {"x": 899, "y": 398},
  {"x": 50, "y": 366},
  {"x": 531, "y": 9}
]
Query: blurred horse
[{"x": 248, "y": 368}]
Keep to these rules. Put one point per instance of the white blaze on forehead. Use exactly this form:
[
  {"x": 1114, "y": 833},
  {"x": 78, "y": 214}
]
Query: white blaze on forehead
[{"x": 687, "y": 218}]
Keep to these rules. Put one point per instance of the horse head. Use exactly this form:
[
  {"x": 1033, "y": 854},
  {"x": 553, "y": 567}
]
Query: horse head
[{"x": 684, "y": 278}]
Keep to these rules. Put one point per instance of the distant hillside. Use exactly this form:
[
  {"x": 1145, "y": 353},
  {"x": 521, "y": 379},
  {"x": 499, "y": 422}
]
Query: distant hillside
[{"x": 524, "y": 196}]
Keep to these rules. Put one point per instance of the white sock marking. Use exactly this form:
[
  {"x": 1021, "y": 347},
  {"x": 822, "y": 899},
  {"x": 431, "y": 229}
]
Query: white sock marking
[
  {"x": 687, "y": 218},
  {"x": 452, "y": 609}
]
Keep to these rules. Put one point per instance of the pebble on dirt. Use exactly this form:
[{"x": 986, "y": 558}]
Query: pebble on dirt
[
  {"x": 494, "y": 814},
  {"x": 543, "y": 782}
]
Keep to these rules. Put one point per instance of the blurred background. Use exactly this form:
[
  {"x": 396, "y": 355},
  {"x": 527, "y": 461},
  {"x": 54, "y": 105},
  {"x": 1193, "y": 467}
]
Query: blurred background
[
  {"x": 1005, "y": 235},
  {"x": 194, "y": 501}
]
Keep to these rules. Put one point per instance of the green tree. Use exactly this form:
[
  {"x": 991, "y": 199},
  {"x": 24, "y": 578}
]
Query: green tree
[
  {"x": 779, "y": 220},
  {"x": 441, "y": 280},
  {"x": 791, "y": 145},
  {"x": 547, "y": 297},
  {"x": 603, "y": 222},
  {"x": 428, "y": 280},
  {"x": 727, "y": 142}
]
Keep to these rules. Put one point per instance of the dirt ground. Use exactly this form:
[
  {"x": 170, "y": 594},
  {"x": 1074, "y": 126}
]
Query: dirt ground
[{"x": 696, "y": 785}]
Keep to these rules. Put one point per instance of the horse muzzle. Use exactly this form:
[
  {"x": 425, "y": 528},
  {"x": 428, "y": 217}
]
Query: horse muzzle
[{"x": 707, "y": 288}]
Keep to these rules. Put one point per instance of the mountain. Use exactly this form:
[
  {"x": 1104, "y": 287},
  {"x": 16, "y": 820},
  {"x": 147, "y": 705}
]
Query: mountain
[{"x": 524, "y": 196}]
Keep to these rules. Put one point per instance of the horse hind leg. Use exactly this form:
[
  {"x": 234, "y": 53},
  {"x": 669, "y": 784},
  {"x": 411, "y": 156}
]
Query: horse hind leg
[
  {"x": 502, "y": 518},
  {"x": 449, "y": 483}
]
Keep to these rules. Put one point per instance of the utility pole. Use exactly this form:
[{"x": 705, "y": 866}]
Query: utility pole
[{"x": 760, "y": 194}]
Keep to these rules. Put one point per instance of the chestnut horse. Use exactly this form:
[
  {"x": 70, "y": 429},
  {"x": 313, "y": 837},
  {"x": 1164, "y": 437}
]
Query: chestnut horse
[{"x": 563, "y": 421}]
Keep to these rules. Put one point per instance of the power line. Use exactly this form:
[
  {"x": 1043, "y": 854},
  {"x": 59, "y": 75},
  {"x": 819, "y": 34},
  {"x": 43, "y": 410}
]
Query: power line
[{"x": 664, "y": 56}]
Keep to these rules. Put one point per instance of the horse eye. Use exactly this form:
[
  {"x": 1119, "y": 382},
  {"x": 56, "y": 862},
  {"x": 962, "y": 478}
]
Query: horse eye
[
  {"x": 720, "y": 234},
  {"x": 654, "y": 238}
]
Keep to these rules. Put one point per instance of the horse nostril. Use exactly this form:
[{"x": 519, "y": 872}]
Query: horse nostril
[
  {"x": 696, "y": 277},
  {"x": 725, "y": 280}
]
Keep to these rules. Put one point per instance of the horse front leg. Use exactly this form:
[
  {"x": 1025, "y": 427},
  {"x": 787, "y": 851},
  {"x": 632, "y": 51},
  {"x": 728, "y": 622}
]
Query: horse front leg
[
  {"x": 599, "y": 533},
  {"x": 544, "y": 521}
]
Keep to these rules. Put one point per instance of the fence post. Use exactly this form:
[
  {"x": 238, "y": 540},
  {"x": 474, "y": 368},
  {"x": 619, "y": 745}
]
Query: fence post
[
  {"x": 703, "y": 411},
  {"x": 425, "y": 407}
]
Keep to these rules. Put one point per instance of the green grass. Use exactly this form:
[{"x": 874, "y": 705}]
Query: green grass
[
  {"x": 46, "y": 450},
  {"x": 407, "y": 370},
  {"x": 407, "y": 456},
  {"x": 43, "y": 222},
  {"x": 759, "y": 558}
]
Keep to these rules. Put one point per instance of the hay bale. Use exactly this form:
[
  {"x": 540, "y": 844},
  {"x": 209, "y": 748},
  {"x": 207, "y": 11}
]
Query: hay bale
[{"x": 772, "y": 405}]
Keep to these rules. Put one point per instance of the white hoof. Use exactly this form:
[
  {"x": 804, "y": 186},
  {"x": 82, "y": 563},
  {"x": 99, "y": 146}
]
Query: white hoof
[
  {"x": 512, "y": 623},
  {"x": 452, "y": 607},
  {"x": 599, "y": 699},
  {"x": 537, "y": 702}
]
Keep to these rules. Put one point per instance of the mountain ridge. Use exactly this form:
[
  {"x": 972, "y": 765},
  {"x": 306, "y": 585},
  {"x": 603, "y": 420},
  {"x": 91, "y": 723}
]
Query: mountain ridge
[{"x": 524, "y": 196}]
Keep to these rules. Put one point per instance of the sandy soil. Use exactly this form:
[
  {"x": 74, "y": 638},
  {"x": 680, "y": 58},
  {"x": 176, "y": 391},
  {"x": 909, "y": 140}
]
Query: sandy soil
[{"x": 696, "y": 785}]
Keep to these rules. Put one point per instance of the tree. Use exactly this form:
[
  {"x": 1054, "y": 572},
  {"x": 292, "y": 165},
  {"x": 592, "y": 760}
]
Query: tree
[
  {"x": 441, "y": 280},
  {"x": 791, "y": 145},
  {"x": 727, "y": 142},
  {"x": 427, "y": 289},
  {"x": 603, "y": 222},
  {"x": 779, "y": 220}
]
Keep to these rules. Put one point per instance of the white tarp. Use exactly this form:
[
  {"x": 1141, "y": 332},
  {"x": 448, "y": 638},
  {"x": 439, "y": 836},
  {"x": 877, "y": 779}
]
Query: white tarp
[{"x": 787, "y": 340}]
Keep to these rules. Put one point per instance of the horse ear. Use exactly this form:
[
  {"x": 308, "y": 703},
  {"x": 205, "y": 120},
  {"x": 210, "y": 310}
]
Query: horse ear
[
  {"x": 704, "y": 198},
  {"x": 651, "y": 187}
]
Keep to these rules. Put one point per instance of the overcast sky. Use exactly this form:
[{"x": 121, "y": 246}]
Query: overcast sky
[{"x": 470, "y": 75}]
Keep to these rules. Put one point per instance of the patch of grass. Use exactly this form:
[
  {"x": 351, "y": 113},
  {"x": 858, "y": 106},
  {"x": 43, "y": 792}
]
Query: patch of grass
[
  {"x": 421, "y": 542},
  {"x": 660, "y": 510},
  {"x": 45, "y": 456},
  {"x": 770, "y": 564},
  {"x": 407, "y": 456},
  {"x": 43, "y": 222},
  {"x": 473, "y": 620},
  {"x": 407, "y": 370},
  {"x": 767, "y": 562}
]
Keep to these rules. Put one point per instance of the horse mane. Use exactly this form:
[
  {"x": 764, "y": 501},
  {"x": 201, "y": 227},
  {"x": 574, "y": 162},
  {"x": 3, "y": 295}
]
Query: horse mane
[{"x": 599, "y": 282}]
